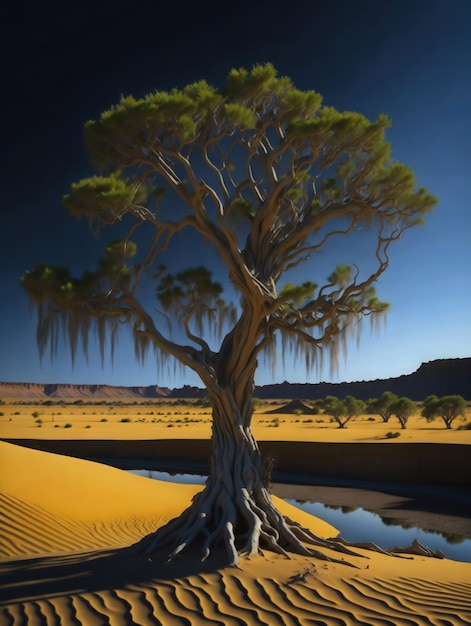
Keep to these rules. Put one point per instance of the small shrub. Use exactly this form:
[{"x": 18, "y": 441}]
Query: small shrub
[
  {"x": 67, "y": 425},
  {"x": 2, "y": 413},
  {"x": 88, "y": 426},
  {"x": 465, "y": 426},
  {"x": 126, "y": 419},
  {"x": 103, "y": 420},
  {"x": 392, "y": 435},
  {"x": 35, "y": 414}
]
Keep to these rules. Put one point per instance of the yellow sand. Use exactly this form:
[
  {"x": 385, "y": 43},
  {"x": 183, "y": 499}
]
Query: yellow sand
[
  {"x": 62, "y": 520},
  {"x": 166, "y": 420}
]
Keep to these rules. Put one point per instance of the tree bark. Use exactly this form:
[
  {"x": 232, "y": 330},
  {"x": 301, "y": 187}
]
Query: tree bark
[{"x": 235, "y": 508}]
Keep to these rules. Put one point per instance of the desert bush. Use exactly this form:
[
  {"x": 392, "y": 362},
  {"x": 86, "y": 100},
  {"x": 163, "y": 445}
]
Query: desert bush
[
  {"x": 67, "y": 425},
  {"x": 393, "y": 435},
  {"x": 465, "y": 426},
  {"x": 35, "y": 414},
  {"x": 2, "y": 413},
  {"x": 103, "y": 419},
  {"x": 126, "y": 419}
]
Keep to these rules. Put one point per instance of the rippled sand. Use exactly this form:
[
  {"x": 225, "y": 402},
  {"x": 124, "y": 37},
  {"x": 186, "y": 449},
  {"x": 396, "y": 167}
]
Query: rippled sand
[{"x": 66, "y": 525}]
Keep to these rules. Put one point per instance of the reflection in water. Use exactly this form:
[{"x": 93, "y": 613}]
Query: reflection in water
[
  {"x": 360, "y": 525},
  {"x": 356, "y": 524}
]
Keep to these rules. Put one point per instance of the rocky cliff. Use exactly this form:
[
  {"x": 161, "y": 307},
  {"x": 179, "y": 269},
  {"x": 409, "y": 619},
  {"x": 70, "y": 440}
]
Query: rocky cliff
[{"x": 441, "y": 377}]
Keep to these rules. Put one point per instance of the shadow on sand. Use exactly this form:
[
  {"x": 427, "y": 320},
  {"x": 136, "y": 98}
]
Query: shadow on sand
[{"x": 25, "y": 579}]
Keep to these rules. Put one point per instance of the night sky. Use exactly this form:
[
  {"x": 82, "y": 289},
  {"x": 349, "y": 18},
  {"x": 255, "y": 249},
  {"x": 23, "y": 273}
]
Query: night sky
[{"x": 64, "y": 63}]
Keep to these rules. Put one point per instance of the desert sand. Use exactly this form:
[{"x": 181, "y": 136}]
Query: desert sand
[{"x": 67, "y": 527}]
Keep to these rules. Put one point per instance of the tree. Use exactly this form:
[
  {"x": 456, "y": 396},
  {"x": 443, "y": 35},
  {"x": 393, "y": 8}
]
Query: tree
[
  {"x": 382, "y": 405},
  {"x": 446, "y": 407},
  {"x": 268, "y": 177},
  {"x": 353, "y": 407},
  {"x": 403, "y": 408},
  {"x": 342, "y": 411}
]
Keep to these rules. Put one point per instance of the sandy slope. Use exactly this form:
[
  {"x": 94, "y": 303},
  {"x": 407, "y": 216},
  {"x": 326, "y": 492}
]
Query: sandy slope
[{"x": 65, "y": 522}]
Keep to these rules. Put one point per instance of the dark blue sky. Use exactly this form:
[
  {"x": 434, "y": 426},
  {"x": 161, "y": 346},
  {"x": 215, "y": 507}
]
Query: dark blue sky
[{"x": 66, "y": 62}]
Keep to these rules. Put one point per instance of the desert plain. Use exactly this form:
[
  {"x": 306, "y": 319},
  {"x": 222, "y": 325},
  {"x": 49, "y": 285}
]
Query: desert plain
[{"x": 68, "y": 527}]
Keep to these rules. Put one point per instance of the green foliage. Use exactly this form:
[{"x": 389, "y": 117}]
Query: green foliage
[
  {"x": 403, "y": 408},
  {"x": 297, "y": 294},
  {"x": 382, "y": 405},
  {"x": 392, "y": 434},
  {"x": 342, "y": 411},
  {"x": 103, "y": 198},
  {"x": 36, "y": 414},
  {"x": 266, "y": 175},
  {"x": 256, "y": 402},
  {"x": 448, "y": 408}
]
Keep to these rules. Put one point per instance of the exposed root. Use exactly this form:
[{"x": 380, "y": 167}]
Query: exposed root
[
  {"x": 243, "y": 524},
  {"x": 415, "y": 548}
]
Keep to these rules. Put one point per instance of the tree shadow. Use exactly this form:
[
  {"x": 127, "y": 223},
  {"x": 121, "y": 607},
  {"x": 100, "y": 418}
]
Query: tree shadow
[{"x": 25, "y": 579}]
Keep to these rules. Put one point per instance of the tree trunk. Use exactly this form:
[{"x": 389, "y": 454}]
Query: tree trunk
[{"x": 235, "y": 508}]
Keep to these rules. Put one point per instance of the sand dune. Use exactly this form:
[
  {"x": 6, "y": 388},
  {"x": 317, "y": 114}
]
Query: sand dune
[{"x": 66, "y": 525}]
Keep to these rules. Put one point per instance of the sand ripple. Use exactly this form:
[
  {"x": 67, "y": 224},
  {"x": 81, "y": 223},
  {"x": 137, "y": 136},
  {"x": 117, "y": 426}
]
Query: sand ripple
[
  {"x": 231, "y": 597},
  {"x": 73, "y": 571},
  {"x": 29, "y": 529}
]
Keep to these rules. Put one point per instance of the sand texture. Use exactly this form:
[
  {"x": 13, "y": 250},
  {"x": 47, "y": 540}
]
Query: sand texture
[{"x": 66, "y": 525}]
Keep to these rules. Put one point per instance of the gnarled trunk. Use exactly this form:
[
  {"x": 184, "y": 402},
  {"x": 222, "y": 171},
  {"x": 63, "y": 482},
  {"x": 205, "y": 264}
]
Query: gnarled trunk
[{"x": 235, "y": 508}]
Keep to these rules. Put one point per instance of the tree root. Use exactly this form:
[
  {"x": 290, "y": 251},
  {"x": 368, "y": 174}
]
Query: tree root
[
  {"x": 244, "y": 525},
  {"x": 415, "y": 548}
]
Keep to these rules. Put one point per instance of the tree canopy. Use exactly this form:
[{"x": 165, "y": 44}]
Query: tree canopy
[
  {"x": 342, "y": 411},
  {"x": 267, "y": 176},
  {"x": 448, "y": 408}
]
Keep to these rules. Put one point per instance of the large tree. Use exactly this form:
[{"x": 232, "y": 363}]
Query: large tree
[{"x": 268, "y": 176}]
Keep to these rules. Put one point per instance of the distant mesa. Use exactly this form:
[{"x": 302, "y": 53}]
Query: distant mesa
[{"x": 441, "y": 377}]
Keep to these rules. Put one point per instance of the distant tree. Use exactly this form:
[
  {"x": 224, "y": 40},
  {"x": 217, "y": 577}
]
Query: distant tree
[
  {"x": 256, "y": 402},
  {"x": 268, "y": 177},
  {"x": 448, "y": 408},
  {"x": 353, "y": 407},
  {"x": 342, "y": 411},
  {"x": 382, "y": 406},
  {"x": 334, "y": 407},
  {"x": 403, "y": 408}
]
